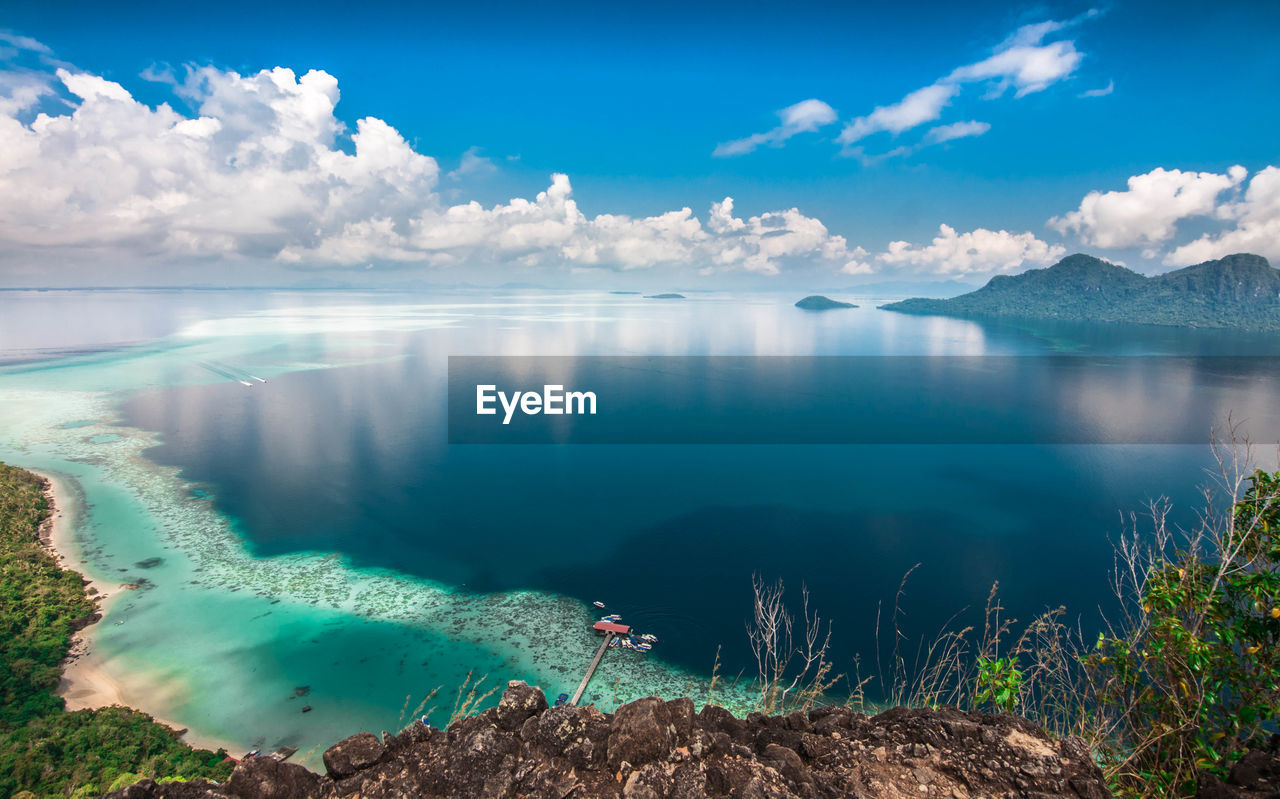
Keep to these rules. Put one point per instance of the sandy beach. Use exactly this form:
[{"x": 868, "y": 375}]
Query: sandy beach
[{"x": 88, "y": 681}]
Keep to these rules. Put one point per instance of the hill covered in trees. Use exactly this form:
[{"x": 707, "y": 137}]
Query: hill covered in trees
[
  {"x": 817, "y": 302},
  {"x": 1239, "y": 291},
  {"x": 45, "y": 751}
]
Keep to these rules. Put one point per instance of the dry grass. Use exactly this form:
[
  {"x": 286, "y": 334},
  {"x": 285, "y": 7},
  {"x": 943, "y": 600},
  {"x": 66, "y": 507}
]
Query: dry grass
[
  {"x": 1062, "y": 683},
  {"x": 418, "y": 711},
  {"x": 793, "y": 673},
  {"x": 469, "y": 698}
]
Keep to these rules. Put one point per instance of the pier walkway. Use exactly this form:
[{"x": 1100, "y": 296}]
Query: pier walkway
[{"x": 591, "y": 670}]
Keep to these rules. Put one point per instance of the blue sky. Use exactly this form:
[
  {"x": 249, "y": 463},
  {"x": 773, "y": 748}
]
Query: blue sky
[{"x": 631, "y": 102}]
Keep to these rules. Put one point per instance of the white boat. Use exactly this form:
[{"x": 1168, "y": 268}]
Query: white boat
[{"x": 598, "y": 604}]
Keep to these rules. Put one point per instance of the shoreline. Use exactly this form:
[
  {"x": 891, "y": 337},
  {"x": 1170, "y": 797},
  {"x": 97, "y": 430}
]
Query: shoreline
[{"x": 86, "y": 681}]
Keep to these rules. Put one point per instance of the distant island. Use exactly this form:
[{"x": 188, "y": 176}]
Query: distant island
[
  {"x": 624, "y": 292},
  {"x": 1239, "y": 291},
  {"x": 817, "y": 302},
  {"x": 664, "y": 297}
]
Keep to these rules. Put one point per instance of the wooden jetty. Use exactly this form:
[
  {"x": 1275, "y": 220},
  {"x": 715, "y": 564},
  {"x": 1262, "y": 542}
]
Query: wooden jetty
[{"x": 610, "y": 631}]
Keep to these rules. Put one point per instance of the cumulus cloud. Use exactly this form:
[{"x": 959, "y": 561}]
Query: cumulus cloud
[
  {"x": 1148, "y": 211},
  {"x": 551, "y": 229},
  {"x": 859, "y": 263},
  {"x": 805, "y": 116},
  {"x": 254, "y": 172},
  {"x": 978, "y": 251},
  {"x": 1255, "y": 220},
  {"x": 264, "y": 170},
  {"x": 21, "y": 90},
  {"x": 760, "y": 243}
]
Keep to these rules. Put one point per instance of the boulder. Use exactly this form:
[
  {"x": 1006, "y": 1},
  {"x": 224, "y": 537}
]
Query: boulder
[
  {"x": 1255, "y": 776},
  {"x": 642, "y": 732},
  {"x": 268, "y": 778},
  {"x": 353, "y": 754},
  {"x": 519, "y": 702}
]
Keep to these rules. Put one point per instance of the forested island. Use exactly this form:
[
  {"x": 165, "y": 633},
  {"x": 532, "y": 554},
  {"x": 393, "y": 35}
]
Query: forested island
[
  {"x": 1239, "y": 291},
  {"x": 817, "y": 302}
]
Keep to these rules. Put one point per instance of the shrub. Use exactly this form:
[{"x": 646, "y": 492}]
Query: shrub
[{"x": 1192, "y": 676}]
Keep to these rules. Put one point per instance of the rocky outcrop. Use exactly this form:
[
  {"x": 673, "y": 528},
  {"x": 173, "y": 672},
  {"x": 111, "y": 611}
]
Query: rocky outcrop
[
  {"x": 656, "y": 749},
  {"x": 1255, "y": 776},
  {"x": 353, "y": 754}
]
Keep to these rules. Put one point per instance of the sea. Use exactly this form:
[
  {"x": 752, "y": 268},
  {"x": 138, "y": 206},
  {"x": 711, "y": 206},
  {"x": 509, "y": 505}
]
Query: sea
[{"x": 273, "y": 475}]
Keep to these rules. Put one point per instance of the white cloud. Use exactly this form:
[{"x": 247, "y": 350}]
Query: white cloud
[
  {"x": 473, "y": 163},
  {"x": 1033, "y": 33},
  {"x": 1256, "y": 219},
  {"x": 935, "y": 135},
  {"x": 921, "y": 106},
  {"x": 551, "y": 230},
  {"x": 159, "y": 73},
  {"x": 1102, "y": 92},
  {"x": 1027, "y": 68},
  {"x": 24, "y": 42},
  {"x": 266, "y": 171},
  {"x": 91, "y": 87},
  {"x": 956, "y": 130},
  {"x": 1148, "y": 211},
  {"x": 858, "y": 263},
  {"x": 254, "y": 172},
  {"x": 1023, "y": 61},
  {"x": 805, "y": 116},
  {"x": 978, "y": 251},
  {"x": 21, "y": 90}
]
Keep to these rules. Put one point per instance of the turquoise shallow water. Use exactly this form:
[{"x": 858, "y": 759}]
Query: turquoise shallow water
[{"x": 314, "y": 532}]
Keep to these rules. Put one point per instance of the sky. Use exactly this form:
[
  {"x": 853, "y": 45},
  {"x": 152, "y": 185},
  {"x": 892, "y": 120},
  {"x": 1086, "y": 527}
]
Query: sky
[{"x": 655, "y": 145}]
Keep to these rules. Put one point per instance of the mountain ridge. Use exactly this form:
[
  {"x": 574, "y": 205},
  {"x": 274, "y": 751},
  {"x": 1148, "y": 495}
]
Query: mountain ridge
[{"x": 1239, "y": 291}]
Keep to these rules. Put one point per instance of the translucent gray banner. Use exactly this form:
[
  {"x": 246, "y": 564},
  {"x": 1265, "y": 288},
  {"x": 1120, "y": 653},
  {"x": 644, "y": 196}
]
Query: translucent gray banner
[{"x": 860, "y": 400}]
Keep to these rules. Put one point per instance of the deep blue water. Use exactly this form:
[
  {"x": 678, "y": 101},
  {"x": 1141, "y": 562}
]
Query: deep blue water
[{"x": 355, "y": 460}]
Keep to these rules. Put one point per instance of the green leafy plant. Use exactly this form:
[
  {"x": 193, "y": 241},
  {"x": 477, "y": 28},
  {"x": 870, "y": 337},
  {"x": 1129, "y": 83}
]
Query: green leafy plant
[{"x": 999, "y": 683}]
